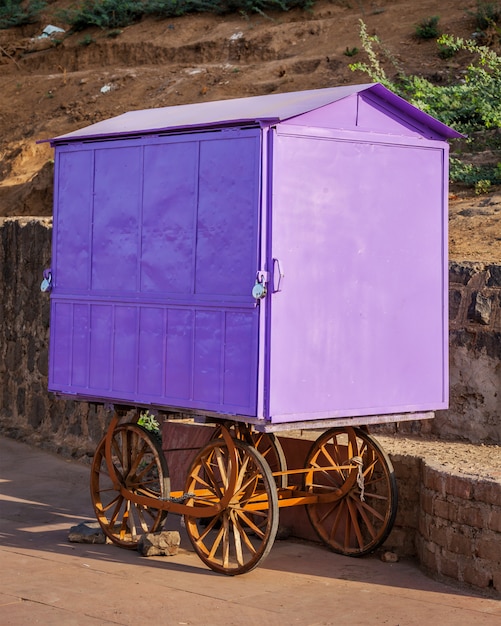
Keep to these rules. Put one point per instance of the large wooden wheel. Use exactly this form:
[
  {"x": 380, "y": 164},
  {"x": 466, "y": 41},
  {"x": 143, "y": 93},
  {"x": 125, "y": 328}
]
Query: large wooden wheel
[
  {"x": 267, "y": 444},
  {"x": 237, "y": 539},
  {"x": 140, "y": 466},
  {"x": 349, "y": 465}
]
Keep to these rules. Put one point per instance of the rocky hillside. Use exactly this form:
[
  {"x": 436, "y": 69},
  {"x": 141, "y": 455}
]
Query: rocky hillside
[{"x": 52, "y": 85}]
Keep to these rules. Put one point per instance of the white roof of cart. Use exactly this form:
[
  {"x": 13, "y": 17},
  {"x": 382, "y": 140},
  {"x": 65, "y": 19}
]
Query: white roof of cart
[{"x": 267, "y": 109}]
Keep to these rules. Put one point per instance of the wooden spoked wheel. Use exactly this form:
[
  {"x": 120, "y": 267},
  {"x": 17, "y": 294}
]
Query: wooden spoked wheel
[
  {"x": 140, "y": 466},
  {"x": 350, "y": 464},
  {"x": 237, "y": 539},
  {"x": 266, "y": 444}
]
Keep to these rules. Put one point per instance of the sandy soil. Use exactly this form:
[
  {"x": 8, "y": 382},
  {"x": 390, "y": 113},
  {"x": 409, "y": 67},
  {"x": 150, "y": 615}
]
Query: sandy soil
[
  {"x": 48, "y": 88},
  {"x": 453, "y": 457}
]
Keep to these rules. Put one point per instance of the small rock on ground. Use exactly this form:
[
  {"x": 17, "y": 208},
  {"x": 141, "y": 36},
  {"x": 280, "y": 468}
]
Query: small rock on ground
[
  {"x": 164, "y": 543},
  {"x": 86, "y": 532}
]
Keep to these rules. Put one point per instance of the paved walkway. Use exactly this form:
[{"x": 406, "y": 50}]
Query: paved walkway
[{"x": 44, "y": 579}]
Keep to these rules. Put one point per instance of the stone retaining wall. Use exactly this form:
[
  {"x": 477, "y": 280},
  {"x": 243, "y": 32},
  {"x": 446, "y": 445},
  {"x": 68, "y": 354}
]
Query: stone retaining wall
[
  {"x": 27, "y": 411},
  {"x": 475, "y": 354}
]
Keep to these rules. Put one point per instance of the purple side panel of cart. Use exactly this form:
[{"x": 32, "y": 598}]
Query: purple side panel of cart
[
  {"x": 337, "y": 200},
  {"x": 154, "y": 258}
]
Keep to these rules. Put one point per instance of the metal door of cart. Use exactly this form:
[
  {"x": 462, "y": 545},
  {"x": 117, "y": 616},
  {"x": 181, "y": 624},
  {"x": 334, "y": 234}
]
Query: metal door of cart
[{"x": 155, "y": 256}]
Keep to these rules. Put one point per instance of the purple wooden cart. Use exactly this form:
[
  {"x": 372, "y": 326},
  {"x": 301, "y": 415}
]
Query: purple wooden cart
[{"x": 275, "y": 262}]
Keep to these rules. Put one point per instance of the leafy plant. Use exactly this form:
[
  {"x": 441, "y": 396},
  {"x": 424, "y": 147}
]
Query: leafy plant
[
  {"x": 17, "y": 12},
  {"x": 445, "y": 51},
  {"x": 377, "y": 54},
  {"x": 482, "y": 186},
  {"x": 476, "y": 176},
  {"x": 470, "y": 106},
  {"x": 149, "y": 422},
  {"x": 427, "y": 28},
  {"x": 350, "y": 52}
]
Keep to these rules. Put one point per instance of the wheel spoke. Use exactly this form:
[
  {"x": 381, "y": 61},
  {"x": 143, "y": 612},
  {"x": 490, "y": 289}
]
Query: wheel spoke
[
  {"x": 213, "y": 482},
  {"x": 367, "y": 510},
  {"x": 266, "y": 444},
  {"x": 140, "y": 467},
  {"x": 234, "y": 542},
  {"x": 222, "y": 466},
  {"x": 242, "y": 534},
  {"x": 337, "y": 520},
  {"x": 116, "y": 512},
  {"x": 330, "y": 461},
  {"x": 115, "y": 502},
  {"x": 353, "y": 524},
  {"x": 363, "y": 510},
  {"x": 254, "y": 528}
]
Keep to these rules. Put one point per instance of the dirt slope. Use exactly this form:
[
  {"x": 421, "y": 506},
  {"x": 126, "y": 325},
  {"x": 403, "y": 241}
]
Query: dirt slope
[{"x": 48, "y": 89}]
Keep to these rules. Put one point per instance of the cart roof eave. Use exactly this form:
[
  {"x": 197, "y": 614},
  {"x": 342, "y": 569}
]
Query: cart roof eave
[{"x": 262, "y": 110}]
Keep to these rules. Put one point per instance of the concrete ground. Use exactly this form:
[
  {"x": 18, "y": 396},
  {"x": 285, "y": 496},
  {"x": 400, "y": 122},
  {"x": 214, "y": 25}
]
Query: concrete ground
[{"x": 44, "y": 579}]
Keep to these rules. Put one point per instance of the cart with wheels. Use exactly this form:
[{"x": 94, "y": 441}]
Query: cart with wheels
[
  {"x": 271, "y": 263},
  {"x": 232, "y": 497}
]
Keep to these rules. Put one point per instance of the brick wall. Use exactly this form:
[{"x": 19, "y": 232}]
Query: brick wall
[{"x": 459, "y": 531}]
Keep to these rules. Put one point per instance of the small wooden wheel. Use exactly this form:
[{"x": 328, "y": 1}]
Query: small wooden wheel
[
  {"x": 141, "y": 467},
  {"x": 237, "y": 539},
  {"x": 266, "y": 444},
  {"x": 351, "y": 465}
]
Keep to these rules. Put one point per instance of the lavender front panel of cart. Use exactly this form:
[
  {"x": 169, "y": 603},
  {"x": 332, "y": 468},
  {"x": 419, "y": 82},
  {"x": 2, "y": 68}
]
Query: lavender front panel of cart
[
  {"x": 361, "y": 240},
  {"x": 155, "y": 256}
]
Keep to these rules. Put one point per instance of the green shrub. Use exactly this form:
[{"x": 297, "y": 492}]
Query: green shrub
[
  {"x": 17, "y": 12},
  {"x": 482, "y": 186},
  {"x": 477, "y": 176},
  {"x": 427, "y": 28},
  {"x": 108, "y": 14},
  {"x": 113, "y": 14},
  {"x": 487, "y": 14},
  {"x": 169, "y": 8},
  {"x": 473, "y": 104},
  {"x": 87, "y": 40}
]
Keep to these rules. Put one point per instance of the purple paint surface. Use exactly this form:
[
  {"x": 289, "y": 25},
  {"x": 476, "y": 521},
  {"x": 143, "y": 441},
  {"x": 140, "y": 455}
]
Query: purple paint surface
[{"x": 159, "y": 237}]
